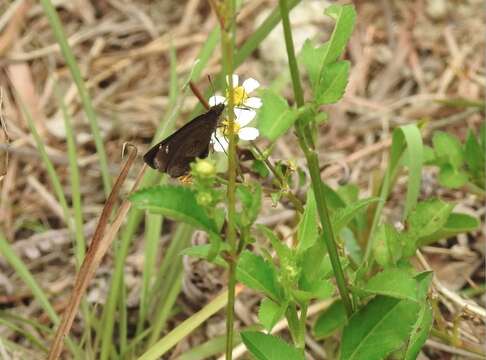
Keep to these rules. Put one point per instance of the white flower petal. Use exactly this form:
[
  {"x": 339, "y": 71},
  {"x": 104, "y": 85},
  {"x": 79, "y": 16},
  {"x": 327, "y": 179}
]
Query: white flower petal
[
  {"x": 216, "y": 99},
  {"x": 235, "y": 80},
  {"x": 244, "y": 116},
  {"x": 250, "y": 85},
  {"x": 220, "y": 144},
  {"x": 253, "y": 102},
  {"x": 248, "y": 133}
]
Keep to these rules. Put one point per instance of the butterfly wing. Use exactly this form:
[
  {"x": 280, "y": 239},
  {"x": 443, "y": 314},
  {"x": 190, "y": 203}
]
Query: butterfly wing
[{"x": 174, "y": 154}]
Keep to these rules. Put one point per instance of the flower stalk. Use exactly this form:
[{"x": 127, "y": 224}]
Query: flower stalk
[
  {"x": 306, "y": 142},
  {"x": 226, "y": 16}
]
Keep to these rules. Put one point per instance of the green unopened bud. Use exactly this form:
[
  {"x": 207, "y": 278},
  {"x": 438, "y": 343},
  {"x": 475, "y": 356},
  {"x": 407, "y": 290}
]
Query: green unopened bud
[
  {"x": 204, "y": 168},
  {"x": 204, "y": 198}
]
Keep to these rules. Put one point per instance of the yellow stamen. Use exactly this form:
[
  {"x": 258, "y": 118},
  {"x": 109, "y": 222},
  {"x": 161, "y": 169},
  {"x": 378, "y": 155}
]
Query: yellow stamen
[
  {"x": 225, "y": 124},
  {"x": 239, "y": 95}
]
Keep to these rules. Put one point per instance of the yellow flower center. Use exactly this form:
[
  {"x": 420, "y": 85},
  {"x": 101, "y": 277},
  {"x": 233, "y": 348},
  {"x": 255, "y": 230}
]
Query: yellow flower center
[
  {"x": 239, "y": 95},
  {"x": 225, "y": 123}
]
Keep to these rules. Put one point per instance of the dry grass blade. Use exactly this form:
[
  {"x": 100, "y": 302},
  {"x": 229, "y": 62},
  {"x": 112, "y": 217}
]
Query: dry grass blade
[
  {"x": 99, "y": 246},
  {"x": 3, "y": 126}
]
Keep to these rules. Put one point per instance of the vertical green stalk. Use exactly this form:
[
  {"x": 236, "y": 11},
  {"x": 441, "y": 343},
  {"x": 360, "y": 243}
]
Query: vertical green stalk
[
  {"x": 228, "y": 28},
  {"x": 306, "y": 142}
]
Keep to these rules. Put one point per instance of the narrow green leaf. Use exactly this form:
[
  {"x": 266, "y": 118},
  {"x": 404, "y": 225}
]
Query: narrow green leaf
[
  {"x": 275, "y": 117},
  {"x": 330, "y": 320},
  {"x": 343, "y": 216},
  {"x": 333, "y": 81},
  {"x": 379, "y": 328},
  {"x": 268, "y": 347},
  {"x": 203, "y": 252},
  {"x": 258, "y": 274},
  {"x": 176, "y": 202},
  {"x": 475, "y": 158},
  {"x": 308, "y": 228},
  {"x": 282, "y": 250},
  {"x": 420, "y": 332},
  {"x": 413, "y": 139},
  {"x": 457, "y": 223},
  {"x": 345, "y": 17},
  {"x": 428, "y": 217},
  {"x": 394, "y": 282}
]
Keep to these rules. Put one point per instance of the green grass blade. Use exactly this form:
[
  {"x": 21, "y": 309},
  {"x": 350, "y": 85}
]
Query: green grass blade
[
  {"x": 80, "y": 247},
  {"x": 167, "y": 278},
  {"x": 152, "y": 238},
  {"x": 68, "y": 55},
  {"x": 415, "y": 151},
  {"x": 24, "y": 274},
  {"x": 185, "y": 328},
  {"x": 24, "y": 333},
  {"x": 51, "y": 172}
]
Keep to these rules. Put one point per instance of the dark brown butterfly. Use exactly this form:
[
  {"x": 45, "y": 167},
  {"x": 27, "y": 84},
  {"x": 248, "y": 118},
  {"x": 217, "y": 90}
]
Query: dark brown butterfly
[{"x": 174, "y": 154}]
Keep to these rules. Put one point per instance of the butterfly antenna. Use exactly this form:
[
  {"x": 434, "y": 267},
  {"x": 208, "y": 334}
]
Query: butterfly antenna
[
  {"x": 212, "y": 85},
  {"x": 198, "y": 94}
]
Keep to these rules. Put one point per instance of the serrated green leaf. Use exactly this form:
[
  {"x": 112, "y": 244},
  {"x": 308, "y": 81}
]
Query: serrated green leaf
[
  {"x": 312, "y": 58},
  {"x": 330, "y": 320},
  {"x": 379, "y": 328},
  {"x": 251, "y": 199},
  {"x": 420, "y": 332},
  {"x": 448, "y": 148},
  {"x": 345, "y": 17},
  {"x": 308, "y": 227},
  {"x": 258, "y": 274},
  {"x": 269, "y": 313},
  {"x": 283, "y": 252},
  {"x": 429, "y": 217},
  {"x": 269, "y": 347},
  {"x": 275, "y": 116},
  {"x": 333, "y": 81},
  {"x": 176, "y": 202},
  {"x": 394, "y": 282},
  {"x": 457, "y": 223}
]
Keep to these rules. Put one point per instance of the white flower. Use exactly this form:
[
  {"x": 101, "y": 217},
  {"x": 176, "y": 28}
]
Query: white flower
[
  {"x": 244, "y": 113},
  {"x": 241, "y": 94},
  {"x": 244, "y": 132}
]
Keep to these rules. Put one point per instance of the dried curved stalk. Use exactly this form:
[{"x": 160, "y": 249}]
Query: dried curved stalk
[{"x": 98, "y": 248}]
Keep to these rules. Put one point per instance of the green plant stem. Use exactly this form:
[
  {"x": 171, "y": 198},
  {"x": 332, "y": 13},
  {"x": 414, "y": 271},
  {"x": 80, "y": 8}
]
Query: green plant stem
[
  {"x": 305, "y": 140},
  {"x": 228, "y": 30},
  {"x": 283, "y": 184}
]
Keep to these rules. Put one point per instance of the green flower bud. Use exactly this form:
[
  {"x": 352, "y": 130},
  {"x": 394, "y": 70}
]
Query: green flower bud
[{"x": 204, "y": 168}]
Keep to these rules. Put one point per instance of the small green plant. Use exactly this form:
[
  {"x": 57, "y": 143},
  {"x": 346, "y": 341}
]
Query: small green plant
[
  {"x": 459, "y": 164},
  {"x": 344, "y": 248},
  {"x": 346, "y": 269}
]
